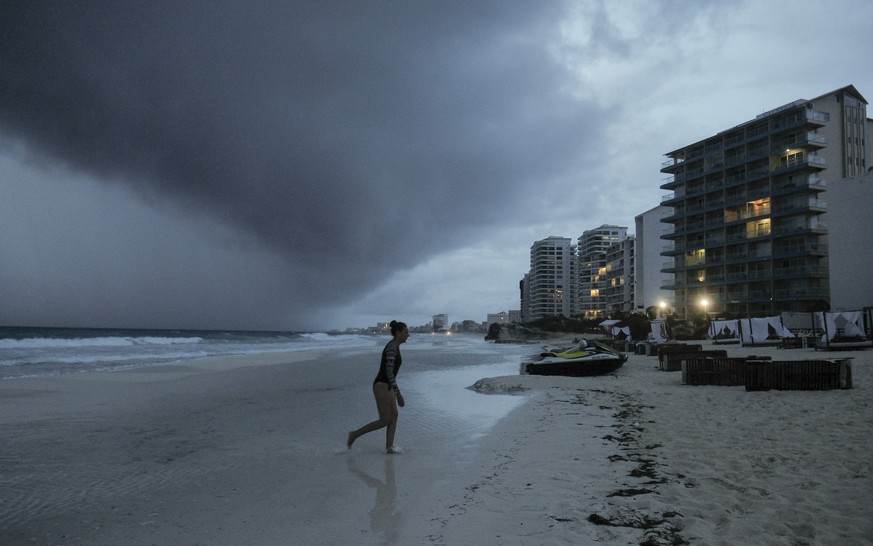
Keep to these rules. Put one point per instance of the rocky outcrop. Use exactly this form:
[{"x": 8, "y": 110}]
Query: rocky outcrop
[{"x": 518, "y": 333}]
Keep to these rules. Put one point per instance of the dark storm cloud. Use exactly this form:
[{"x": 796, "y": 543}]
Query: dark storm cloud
[{"x": 353, "y": 137}]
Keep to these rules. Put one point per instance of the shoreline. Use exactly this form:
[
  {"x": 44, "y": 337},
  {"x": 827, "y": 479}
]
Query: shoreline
[{"x": 240, "y": 450}]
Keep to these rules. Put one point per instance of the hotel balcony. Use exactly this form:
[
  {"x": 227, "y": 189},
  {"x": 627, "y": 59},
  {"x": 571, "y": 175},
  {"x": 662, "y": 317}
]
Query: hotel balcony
[
  {"x": 671, "y": 164},
  {"x": 670, "y": 267},
  {"x": 672, "y": 198},
  {"x": 795, "y": 208},
  {"x": 673, "y": 250},
  {"x": 804, "y": 118},
  {"x": 800, "y": 295},
  {"x": 810, "y": 140},
  {"x": 800, "y": 272},
  {"x": 814, "y": 183},
  {"x": 736, "y": 258},
  {"x": 810, "y": 248}
]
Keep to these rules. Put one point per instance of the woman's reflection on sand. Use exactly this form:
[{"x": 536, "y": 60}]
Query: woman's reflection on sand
[{"x": 384, "y": 518}]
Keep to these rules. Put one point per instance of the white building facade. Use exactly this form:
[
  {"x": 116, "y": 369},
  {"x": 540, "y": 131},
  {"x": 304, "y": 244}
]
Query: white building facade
[
  {"x": 648, "y": 275},
  {"x": 850, "y": 238}
]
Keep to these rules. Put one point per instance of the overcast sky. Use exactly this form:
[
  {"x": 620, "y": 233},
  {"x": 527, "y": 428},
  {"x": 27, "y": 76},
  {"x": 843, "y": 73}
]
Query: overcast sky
[{"x": 324, "y": 164}]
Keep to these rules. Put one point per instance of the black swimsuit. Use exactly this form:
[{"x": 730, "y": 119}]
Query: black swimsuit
[{"x": 391, "y": 361}]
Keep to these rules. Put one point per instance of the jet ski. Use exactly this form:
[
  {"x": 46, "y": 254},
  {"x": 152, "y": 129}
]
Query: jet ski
[{"x": 581, "y": 359}]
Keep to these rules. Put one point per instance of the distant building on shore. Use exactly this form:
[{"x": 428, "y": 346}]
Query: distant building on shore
[
  {"x": 749, "y": 232},
  {"x": 589, "y": 279},
  {"x": 550, "y": 285},
  {"x": 595, "y": 281},
  {"x": 620, "y": 259},
  {"x": 766, "y": 217},
  {"x": 440, "y": 322},
  {"x": 503, "y": 317},
  {"x": 497, "y": 318}
]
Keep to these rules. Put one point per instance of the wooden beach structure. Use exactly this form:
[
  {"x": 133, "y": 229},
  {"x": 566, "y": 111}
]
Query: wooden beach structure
[{"x": 758, "y": 374}]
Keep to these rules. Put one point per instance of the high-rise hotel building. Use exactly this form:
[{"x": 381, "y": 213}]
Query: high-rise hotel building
[
  {"x": 620, "y": 282},
  {"x": 550, "y": 284},
  {"x": 749, "y": 231},
  {"x": 596, "y": 284}
]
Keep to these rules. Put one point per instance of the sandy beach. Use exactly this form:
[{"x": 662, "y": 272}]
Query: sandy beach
[
  {"x": 250, "y": 450},
  {"x": 683, "y": 464}
]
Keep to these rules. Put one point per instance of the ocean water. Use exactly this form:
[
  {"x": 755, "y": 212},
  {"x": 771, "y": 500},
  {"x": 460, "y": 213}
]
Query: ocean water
[
  {"x": 437, "y": 371},
  {"x": 28, "y": 352},
  {"x": 134, "y": 443},
  {"x": 42, "y": 351}
]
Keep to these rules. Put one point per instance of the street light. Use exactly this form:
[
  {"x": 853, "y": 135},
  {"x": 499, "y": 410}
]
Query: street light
[
  {"x": 663, "y": 306},
  {"x": 705, "y": 304}
]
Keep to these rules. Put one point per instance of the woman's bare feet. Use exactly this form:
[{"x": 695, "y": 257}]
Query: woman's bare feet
[{"x": 394, "y": 450}]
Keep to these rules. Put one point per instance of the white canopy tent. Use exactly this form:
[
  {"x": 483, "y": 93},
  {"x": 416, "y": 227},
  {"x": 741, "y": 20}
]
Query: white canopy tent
[
  {"x": 617, "y": 331},
  {"x": 847, "y": 324},
  {"x": 725, "y": 331},
  {"x": 763, "y": 330},
  {"x": 608, "y": 324},
  {"x": 613, "y": 330},
  {"x": 659, "y": 332}
]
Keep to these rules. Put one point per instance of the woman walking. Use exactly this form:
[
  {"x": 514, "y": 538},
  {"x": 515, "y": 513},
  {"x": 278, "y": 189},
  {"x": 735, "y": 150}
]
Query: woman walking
[{"x": 386, "y": 391}]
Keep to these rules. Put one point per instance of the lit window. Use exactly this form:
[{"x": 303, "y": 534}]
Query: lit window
[{"x": 759, "y": 228}]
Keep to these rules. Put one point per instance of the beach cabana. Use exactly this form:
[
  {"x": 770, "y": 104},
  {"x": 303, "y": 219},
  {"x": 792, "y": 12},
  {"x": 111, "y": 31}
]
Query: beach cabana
[
  {"x": 724, "y": 331},
  {"x": 659, "y": 332},
  {"x": 608, "y": 325},
  {"x": 619, "y": 331},
  {"x": 763, "y": 331},
  {"x": 842, "y": 329}
]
